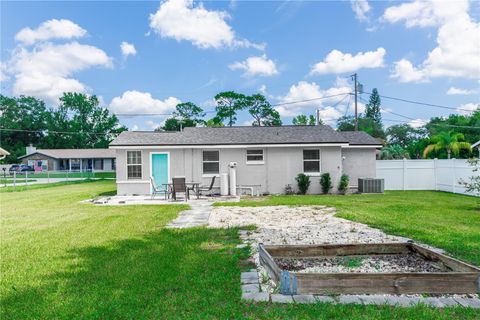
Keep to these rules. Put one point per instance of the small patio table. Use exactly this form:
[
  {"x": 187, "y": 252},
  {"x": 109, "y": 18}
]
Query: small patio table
[{"x": 195, "y": 187}]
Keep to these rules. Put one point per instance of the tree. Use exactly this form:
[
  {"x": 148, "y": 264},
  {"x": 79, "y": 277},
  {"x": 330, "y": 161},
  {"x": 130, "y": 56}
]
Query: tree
[
  {"x": 190, "y": 111},
  {"x": 474, "y": 184},
  {"x": 24, "y": 121},
  {"x": 303, "y": 120},
  {"x": 262, "y": 111},
  {"x": 83, "y": 123},
  {"x": 228, "y": 104},
  {"x": 186, "y": 114},
  {"x": 393, "y": 152},
  {"x": 372, "y": 109},
  {"x": 347, "y": 123},
  {"x": 448, "y": 141},
  {"x": 466, "y": 124},
  {"x": 403, "y": 135},
  {"x": 415, "y": 148},
  {"x": 214, "y": 122}
]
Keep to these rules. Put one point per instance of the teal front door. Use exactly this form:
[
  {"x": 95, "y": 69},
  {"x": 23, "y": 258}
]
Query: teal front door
[{"x": 160, "y": 168}]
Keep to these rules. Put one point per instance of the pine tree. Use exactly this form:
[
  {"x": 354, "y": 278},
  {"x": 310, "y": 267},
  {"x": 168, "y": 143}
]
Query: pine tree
[{"x": 372, "y": 110}]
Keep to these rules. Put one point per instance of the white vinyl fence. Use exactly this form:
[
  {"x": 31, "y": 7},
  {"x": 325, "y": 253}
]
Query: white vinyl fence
[{"x": 443, "y": 175}]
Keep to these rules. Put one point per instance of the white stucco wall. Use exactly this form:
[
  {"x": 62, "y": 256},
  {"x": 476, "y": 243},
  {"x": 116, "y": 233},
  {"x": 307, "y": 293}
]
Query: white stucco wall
[{"x": 359, "y": 163}]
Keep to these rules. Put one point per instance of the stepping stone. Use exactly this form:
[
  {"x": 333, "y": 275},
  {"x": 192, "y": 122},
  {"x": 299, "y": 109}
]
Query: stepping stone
[
  {"x": 304, "y": 298},
  {"x": 281, "y": 298},
  {"x": 346, "y": 299},
  {"x": 249, "y": 277},
  {"x": 468, "y": 302},
  {"x": 260, "y": 296},
  {"x": 250, "y": 288},
  {"x": 324, "y": 299}
]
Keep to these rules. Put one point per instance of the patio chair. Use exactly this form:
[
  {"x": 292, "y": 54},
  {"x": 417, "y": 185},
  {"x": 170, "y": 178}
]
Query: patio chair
[
  {"x": 156, "y": 190},
  {"x": 207, "y": 190},
  {"x": 179, "y": 186}
]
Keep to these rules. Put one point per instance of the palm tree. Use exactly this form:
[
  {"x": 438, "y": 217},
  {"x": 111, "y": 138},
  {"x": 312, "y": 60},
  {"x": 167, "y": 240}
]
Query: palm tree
[
  {"x": 393, "y": 152},
  {"x": 449, "y": 141}
]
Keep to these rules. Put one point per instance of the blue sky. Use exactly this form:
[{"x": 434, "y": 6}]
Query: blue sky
[{"x": 179, "y": 50}]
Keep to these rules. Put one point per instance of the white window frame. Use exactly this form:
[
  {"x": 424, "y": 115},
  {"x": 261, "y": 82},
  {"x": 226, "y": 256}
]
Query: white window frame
[
  {"x": 254, "y": 162},
  {"x": 136, "y": 164},
  {"x": 312, "y": 174},
  {"x": 210, "y": 174}
]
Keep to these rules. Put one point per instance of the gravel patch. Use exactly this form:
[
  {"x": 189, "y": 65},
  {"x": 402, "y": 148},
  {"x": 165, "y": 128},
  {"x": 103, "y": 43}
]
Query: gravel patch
[{"x": 359, "y": 264}]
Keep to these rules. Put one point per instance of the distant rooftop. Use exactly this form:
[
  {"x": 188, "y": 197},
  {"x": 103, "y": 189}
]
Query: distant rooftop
[
  {"x": 243, "y": 136},
  {"x": 75, "y": 153}
]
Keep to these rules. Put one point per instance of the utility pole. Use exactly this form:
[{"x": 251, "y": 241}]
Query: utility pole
[{"x": 355, "y": 90}]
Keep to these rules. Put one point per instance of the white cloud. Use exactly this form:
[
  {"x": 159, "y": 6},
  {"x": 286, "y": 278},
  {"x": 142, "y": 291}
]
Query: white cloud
[
  {"x": 152, "y": 125},
  {"x": 468, "y": 108},
  {"x": 51, "y": 29},
  {"x": 404, "y": 71},
  {"x": 417, "y": 123},
  {"x": 132, "y": 102},
  {"x": 134, "y": 128},
  {"x": 46, "y": 71},
  {"x": 457, "y": 53},
  {"x": 361, "y": 8},
  {"x": 181, "y": 20},
  {"x": 339, "y": 62},
  {"x": 460, "y": 91},
  {"x": 3, "y": 72},
  {"x": 253, "y": 66},
  {"x": 310, "y": 90},
  {"x": 128, "y": 49}
]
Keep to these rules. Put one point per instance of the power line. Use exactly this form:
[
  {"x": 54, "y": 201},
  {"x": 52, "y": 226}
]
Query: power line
[
  {"x": 420, "y": 103},
  {"x": 59, "y": 132},
  {"x": 435, "y": 124},
  {"x": 212, "y": 111}
]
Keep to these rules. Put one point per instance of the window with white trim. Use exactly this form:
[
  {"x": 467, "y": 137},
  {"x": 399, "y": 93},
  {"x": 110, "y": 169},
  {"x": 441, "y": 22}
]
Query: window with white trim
[
  {"x": 211, "y": 162},
  {"x": 255, "y": 156},
  {"x": 134, "y": 165},
  {"x": 311, "y": 161}
]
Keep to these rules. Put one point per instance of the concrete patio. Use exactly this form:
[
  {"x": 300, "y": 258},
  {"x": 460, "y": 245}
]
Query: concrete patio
[{"x": 159, "y": 200}]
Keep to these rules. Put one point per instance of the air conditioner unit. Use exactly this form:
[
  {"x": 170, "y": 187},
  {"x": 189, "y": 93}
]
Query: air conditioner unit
[{"x": 369, "y": 185}]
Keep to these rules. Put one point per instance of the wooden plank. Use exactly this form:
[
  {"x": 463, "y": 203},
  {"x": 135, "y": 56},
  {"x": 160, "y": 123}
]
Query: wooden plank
[
  {"x": 450, "y": 263},
  {"x": 267, "y": 261},
  {"x": 387, "y": 283},
  {"x": 303, "y": 251}
]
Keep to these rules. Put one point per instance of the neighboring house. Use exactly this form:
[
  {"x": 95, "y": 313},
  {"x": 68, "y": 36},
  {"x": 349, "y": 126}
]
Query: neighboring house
[
  {"x": 70, "y": 159},
  {"x": 476, "y": 145},
  {"x": 3, "y": 153},
  {"x": 267, "y": 156}
]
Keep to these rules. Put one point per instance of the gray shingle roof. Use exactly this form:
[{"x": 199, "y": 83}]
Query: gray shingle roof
[
  {"x": 359, "y": 138},
  {"x": 76, "y": 153},
  {"x": 234, "y": 135}
]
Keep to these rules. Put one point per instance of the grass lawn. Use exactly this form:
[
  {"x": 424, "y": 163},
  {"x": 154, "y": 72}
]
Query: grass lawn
[
  {"x": 19, "y": 180},
  {"x": 97, "y": 175},
  {"x": 65, "y": 259},
  {"x": 22, "y": 187},
  {"x": 444, "y": 220}
]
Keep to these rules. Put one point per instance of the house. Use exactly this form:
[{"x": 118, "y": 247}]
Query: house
[
  {"x": 70, "y": 159},
  {"x": 267, "y": 157}
]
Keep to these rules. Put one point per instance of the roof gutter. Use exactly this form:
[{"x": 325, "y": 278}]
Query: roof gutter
[{"x": 229, "y": 146}]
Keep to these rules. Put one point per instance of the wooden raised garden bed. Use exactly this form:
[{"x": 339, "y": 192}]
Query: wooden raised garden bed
[{"x": 450, "y": 276}]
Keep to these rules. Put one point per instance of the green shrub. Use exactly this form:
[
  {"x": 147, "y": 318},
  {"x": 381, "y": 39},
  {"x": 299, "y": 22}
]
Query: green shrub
[
  {"x": 326, "y": 182},
  {"x": 343, "y": 185},
  {"x": 303, "y": 182}
]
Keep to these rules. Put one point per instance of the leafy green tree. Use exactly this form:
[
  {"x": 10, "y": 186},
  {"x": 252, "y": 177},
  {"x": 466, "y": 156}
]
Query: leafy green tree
[
  {"x": 468, "y": 125},
  {"x": 214, "y": 122},
  {"x": 415, "y": 148},
  {"x": 372, "y": 109},
  {"x": 347, "y": 123},
  {"x": 262, "y": 112},
  {"x": 23, "y": 121},
  {"x": 83, "y": 123},
  {"x": 448, "y": 141},
  {"x": 394, "y": 152},
  {"x": 186, "y": 114},
  {"x": 228, "y": 104},
  {"x": 303, "y": 120},
  {"x": 403, "y": 134},
  {"x": 190, "y": 111}
]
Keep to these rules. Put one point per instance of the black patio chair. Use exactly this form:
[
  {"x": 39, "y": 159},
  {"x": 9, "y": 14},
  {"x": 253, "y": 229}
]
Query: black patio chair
[
  {"x": 208, "y": 189},
  {"x": 179, "y": 186}
]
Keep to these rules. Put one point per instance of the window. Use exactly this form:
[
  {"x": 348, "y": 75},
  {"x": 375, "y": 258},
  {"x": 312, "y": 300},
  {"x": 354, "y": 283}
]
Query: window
[
  {"x": 311, "y": 161},
  {"x": 255, "y": 156},
  {"x": 134, "y": 165},
  {"x": 98, "y": 164},
  {"x": 211, "y": 163},
  {"x": 114, "y": 164}
]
